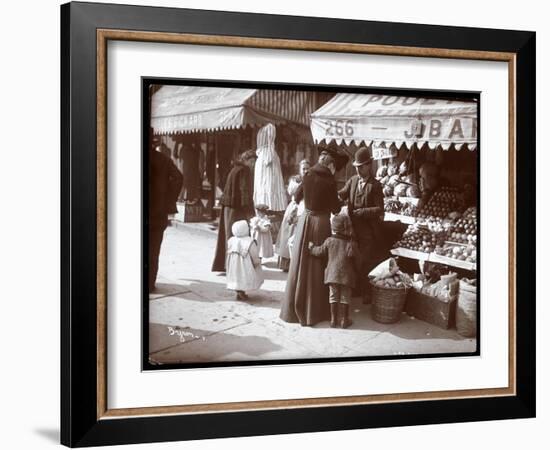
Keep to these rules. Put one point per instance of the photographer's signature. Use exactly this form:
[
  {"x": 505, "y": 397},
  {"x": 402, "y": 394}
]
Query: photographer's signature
[{"x": 183, "y": 335}]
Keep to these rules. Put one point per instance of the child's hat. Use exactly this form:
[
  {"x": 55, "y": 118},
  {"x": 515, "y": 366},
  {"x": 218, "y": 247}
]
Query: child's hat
[
  {"x": 240, "y": 228},
  {"x": 341, "y": 224}
]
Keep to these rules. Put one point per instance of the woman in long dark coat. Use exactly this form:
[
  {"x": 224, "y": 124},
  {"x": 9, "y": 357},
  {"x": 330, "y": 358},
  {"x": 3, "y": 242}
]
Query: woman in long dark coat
[
  {"x": 306, "y": 295},
  {"x": 237, "y": 204}
]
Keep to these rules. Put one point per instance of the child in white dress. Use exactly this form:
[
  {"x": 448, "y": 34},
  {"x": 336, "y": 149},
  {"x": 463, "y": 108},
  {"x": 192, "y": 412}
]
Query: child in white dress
[
  {"x": 261, "y": 231},
  {"x": 244, "y": 270}
]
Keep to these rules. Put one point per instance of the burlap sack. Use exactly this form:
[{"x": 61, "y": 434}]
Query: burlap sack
[{"x": 466, "y": 310}]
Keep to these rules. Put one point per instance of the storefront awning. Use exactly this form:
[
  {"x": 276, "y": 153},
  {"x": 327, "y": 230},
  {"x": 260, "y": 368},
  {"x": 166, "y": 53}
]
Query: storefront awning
[
  {"x": 383, "y": 119},
  {"x": 187, "y": 109}
]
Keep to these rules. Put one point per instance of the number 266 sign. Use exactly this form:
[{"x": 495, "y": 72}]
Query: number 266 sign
[{"x": 339, "y": 128}]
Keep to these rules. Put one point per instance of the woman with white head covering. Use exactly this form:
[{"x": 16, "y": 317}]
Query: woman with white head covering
[{"x": 269, "y": 188}]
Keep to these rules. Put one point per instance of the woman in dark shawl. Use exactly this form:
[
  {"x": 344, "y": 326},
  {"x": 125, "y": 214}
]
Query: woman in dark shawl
[
  {"x": 306, "y": 295},
  {"x": 237, "y": 204}
]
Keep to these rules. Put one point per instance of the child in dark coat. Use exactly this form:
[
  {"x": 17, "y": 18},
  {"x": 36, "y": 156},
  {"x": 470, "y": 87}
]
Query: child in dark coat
[{"x": 340, "y": 273}]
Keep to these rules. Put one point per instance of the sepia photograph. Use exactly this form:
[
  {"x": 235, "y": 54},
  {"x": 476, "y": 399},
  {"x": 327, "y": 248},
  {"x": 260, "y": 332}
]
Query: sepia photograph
[
  {"x": 284, "y": 222},
  {"x": 293, "y": 224}
]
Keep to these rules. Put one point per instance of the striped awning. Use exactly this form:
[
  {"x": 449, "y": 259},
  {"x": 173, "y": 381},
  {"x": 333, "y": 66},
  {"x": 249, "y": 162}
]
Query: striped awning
[
  {"x": 385, "y": 120},
  {"x": 187, "y": 109}
]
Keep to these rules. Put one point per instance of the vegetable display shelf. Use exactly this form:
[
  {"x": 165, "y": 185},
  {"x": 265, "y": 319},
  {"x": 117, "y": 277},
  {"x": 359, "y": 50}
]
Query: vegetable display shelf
[
  {"x": 392, "y": 217},
  {"x": 466, "y": 265},
  {"x": 413, "y": 254},
  {"x": 433, "y": 257}
]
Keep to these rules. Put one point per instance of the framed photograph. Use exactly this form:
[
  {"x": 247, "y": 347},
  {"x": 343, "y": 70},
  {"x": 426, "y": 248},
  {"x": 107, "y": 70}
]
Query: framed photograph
[{"x": 278, "y": 224}]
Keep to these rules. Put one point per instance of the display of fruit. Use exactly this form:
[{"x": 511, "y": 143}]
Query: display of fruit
[
  {"x": 392, "y": 277},
  {"x": 442, "y": 202},
  {"x": 391, "y": 282},
  {"x": 440, "y": 228},
  {"x": 470, "y": 213},
  {"x": 420, "y": 239},
  {"x": 456, "y": 251},
  {"x": 400, "y": 190},
  {"x": 464, "y": 229},
  {"x": 454, "y": 215}
]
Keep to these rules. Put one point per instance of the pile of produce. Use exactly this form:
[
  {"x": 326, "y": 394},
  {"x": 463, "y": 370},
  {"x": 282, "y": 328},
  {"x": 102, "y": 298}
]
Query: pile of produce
[
  {"x": 392, "y": 277},
  {"x": 445, "y": 288},
  {"x": 420, "y": 239},
  {"x": 392, "y": 205},
  {"x": 436, "y": 224},
  {"x": 442, "y": 203},
  {"x": 470, "y": 213},
  {"x": 396, "y": 182},
  {"x": 409, "y": 210},
  {"x": 439, "y": 227},
  {"x": 460, "y": 252},
  {"x": 464, "y": 230}
]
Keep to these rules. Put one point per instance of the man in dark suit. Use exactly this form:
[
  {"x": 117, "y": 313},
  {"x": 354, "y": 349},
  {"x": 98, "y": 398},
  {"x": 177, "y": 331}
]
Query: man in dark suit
[
  {"x": 365, "y": 204},
  {"x": 165, "y": 182}
]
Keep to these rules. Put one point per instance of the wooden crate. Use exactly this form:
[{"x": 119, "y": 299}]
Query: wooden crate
[
  {"x": 190, "y": 213},
  {"x": 431, "y": 309}
]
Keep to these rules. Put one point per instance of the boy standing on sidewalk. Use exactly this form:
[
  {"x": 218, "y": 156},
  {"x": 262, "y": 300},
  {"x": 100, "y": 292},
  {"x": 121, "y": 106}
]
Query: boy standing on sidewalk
[{"x": 340, "y": 275}]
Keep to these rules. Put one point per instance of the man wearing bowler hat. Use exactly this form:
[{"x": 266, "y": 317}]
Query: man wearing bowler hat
[{"x": 365, "y": 203}]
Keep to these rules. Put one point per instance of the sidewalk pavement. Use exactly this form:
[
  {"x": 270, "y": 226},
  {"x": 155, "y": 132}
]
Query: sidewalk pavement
[{"x": 194, "y": 318}]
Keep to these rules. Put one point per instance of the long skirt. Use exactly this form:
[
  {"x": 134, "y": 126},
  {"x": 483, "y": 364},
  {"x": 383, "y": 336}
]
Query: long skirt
[
  {"x": 265, "y": 243},
  {"x": 287, "y": 229},
  {"x": 228, "y": 217},
  {"x": 306, "y": 295}
]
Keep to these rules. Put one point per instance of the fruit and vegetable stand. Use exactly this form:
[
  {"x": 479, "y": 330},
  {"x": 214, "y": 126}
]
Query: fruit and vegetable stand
[
  {"x": 434, "y": 257},
  {"x": 442, "y": 229},
  {"x": 445, "y": 301},
  {"x": 441, "y": 234}
]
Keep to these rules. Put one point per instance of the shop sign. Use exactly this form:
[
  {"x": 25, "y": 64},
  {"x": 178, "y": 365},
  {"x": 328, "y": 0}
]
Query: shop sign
[{"x": 384, "y": 153}]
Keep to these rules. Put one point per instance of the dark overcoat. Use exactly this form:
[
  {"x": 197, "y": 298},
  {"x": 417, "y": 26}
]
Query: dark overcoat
[
  {"x": 165, "y": 182},
  {"x": 366, "y": 210},
  {"x": 237, "y": 204},
  {"x": 306, "y": 295}
]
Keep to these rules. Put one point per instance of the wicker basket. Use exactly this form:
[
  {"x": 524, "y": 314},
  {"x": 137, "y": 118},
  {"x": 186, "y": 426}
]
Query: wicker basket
[{"x": 387, "y": 303}]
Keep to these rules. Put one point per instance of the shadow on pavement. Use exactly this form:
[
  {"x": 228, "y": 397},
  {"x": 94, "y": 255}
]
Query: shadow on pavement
[
  {"x": 215, "y": 292},
  {"x": 415, "y": 329},
  {"x": 220, "y": 346}
]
